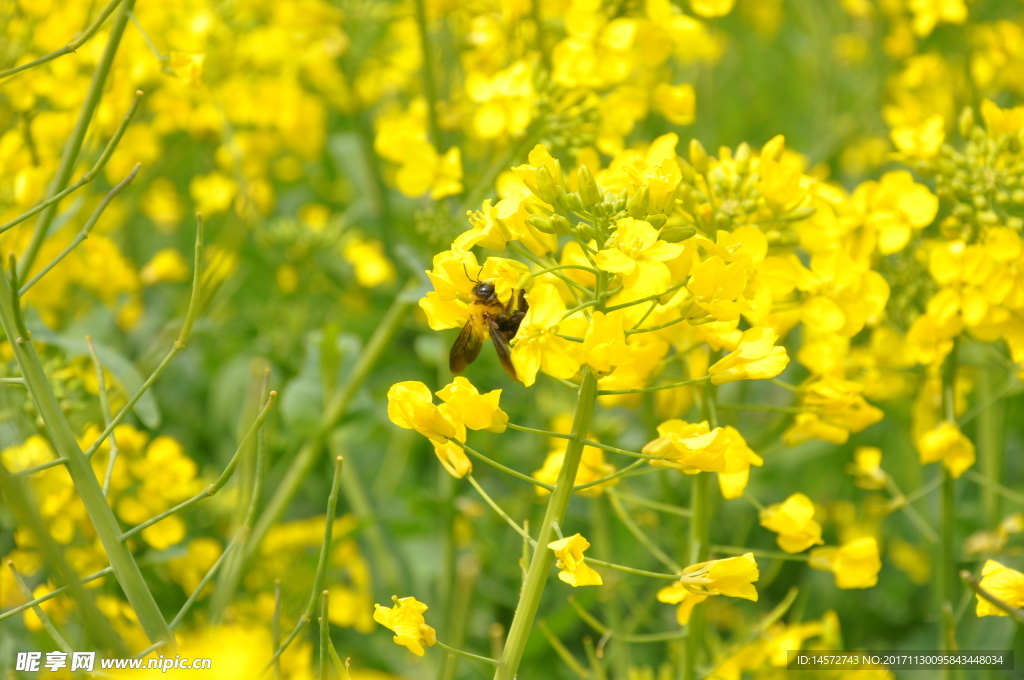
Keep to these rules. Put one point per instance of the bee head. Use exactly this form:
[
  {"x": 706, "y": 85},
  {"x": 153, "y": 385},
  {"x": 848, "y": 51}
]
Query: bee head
[{"x": 483, "y": 289}]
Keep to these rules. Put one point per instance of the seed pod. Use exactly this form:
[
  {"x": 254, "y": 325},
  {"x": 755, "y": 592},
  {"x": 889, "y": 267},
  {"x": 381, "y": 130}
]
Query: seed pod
[{"x": 584, "y": 231}]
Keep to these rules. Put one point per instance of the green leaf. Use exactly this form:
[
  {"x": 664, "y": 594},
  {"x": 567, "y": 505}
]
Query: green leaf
[{"x": 119, "y": 366}]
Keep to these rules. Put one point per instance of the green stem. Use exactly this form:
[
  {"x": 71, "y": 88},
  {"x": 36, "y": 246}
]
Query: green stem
[
  {"x": 87, "y": 177},
  {"x": 468, "y": 655},
  {"x": 84, "y": 234},
  {"x": 54, "y": 593},
  {"x": 990, "y": 443},
  {"x": 74, "y": 145},
  {"x": 540, "y": 566},
  {"x": 657, "y": 388},
  {"x": 771, "y": 554},
  {"x": 698, "y": 543},
  {"x": 498, "y": 466},
  {"x": 26, "y": 592},
  {"x": 640, "y": 536},
  {"x": 429, "y": 84},
  {"x": 947, "y": 571},
  {"x": 307, "y": 456},
  {"x": 121, "y": 559},
  {"x": 545, "y": 433},
  {"x": 71, "y": 46},
  {"x": 325, "y": 634},
  {"x": 1016, "y": 614},
  {"x": 995, "y": 487}
]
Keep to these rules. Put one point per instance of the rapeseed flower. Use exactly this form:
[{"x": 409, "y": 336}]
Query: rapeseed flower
[
  {"x": 406, "y": 620},
  {"x": 574, "y": 569}
]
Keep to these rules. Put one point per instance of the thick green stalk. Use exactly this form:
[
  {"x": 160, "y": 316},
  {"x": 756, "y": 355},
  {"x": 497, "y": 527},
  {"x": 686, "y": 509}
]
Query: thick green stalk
[
  {"x": 990, "y": 442},
  {"x": 74, "y": 145},
  {"x": 126, "y": 570},
  {"x": 698, "y": 544},
  {"x": 543, "y": 559},
  {"x": 947, "y": 572}
]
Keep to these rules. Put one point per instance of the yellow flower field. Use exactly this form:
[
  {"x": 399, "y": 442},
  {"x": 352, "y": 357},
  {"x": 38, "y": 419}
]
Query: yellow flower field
[{"x": 603, "y": 339}]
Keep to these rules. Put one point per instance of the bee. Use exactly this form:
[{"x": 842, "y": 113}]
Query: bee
[{"x": 488, "y": 317}]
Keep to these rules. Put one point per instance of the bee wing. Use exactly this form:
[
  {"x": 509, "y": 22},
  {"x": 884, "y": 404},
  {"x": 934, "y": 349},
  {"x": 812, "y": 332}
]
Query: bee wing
[
  {"x": 465, "y": 350},
  {"x": 500, "y": 340}
]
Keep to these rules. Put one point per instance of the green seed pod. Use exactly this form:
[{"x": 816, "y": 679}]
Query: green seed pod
[
  {"x": 636, "y": 206},
  {"x": 590, "y": 193},
  {"x": 676, "y": 234},
  {"x": 698, "y": 156}
]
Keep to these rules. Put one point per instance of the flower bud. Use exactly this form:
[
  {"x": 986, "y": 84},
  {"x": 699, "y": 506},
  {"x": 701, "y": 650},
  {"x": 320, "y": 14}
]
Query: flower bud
[
  {"x": 676, "y": 234},
  {"x": 546, "y": 187},
  {"x": 657, "y": 221},
  {"x": 560, "y": 225},
  {"x": 801, "y": 213},
  {"x": 966, "y": 123},
  {"x": 589, "y": 192},
  {"x": 773, "y": 148},
  {"x": 698, "y": 156},
  {"x": 636, "y": 206},
  {"x": 540, "y": 223}
]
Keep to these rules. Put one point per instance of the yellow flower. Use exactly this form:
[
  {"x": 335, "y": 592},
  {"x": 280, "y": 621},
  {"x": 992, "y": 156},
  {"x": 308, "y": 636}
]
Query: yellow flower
[
  {"x": 1002, "y": 583},
  {"x": 213, "y": 193},
  {"x": 793, "y": 521},
  {"x": 709, "y": 9},
  {"x": 921, "y": 141},
  {"x": 686, "y": 447},
  {"x": 467, "y": 405},
  {"x": 592, "y": 464},
  {"x": 733, "y": 577},
  {"x": 837, "y": 409},
  {"x": 678, "y": 103},
  {"x": 718, "y": 287},
  {"x": 411, "y": 407},
  {"x": 638, "y": 255},
  {"x": 33, "y": 451},
  {"x": 948, "y": 444},
  {"x": 1002, "y": 121},
  {"x": 867, "y": 468},
  {"x": 453, "y": 275},
  {"x": 536, "y": 346},
  {"x": 366, "y": 255},
  {"x": 732, "y": 480},
  {"x": 407, "y": 622},
  {"x": 574, "y": 569},
  {"x": 779, "y": 182},
  {"x": 167, "y": 266},
  {"x": 754, "y": 358},
  {"x": 928, "y": 13},
  {"x": 604, "y": 345},
  {"x": 855, "y": 564},
  {"x": 188, "y": 67}
]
